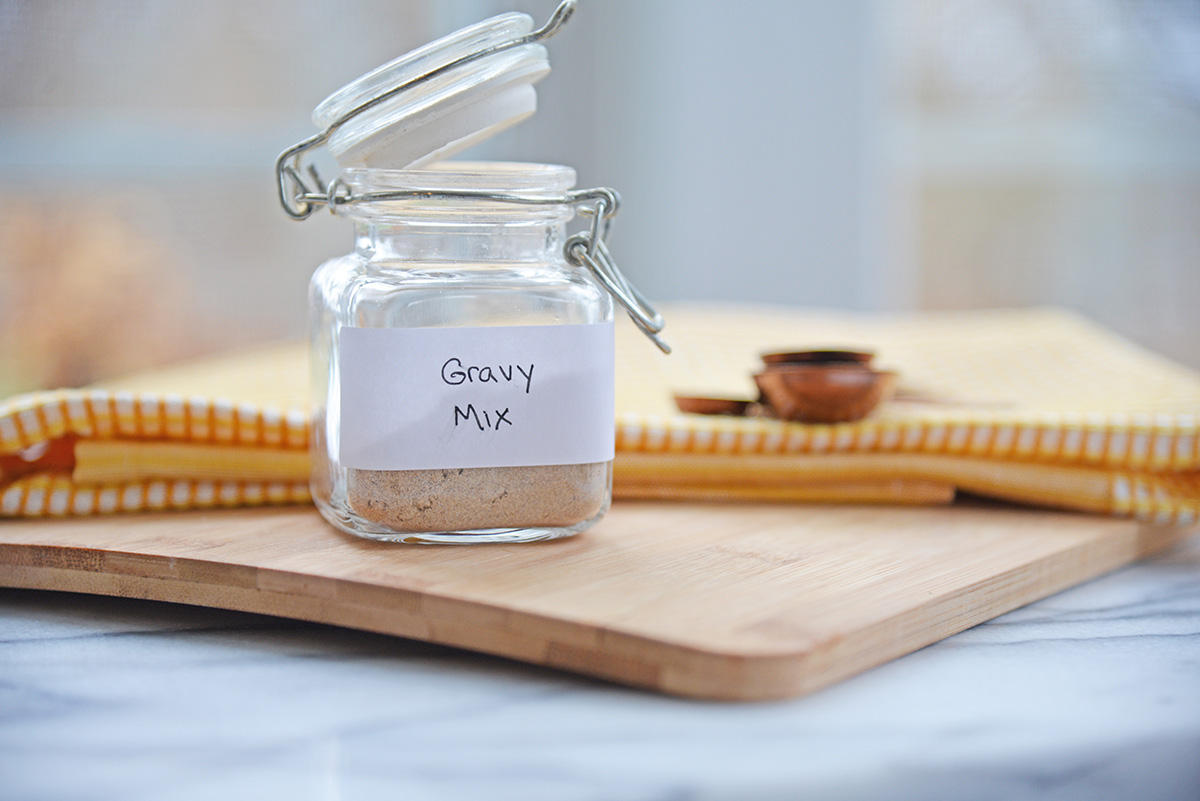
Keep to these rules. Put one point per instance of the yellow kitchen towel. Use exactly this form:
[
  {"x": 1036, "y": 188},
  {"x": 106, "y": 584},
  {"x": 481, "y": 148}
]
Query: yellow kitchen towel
[
  {"x": 1033, "y": 406},
  {"x": 168, "y": 439}
]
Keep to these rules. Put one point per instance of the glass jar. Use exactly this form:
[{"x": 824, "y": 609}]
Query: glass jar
[
  {"x": 462, "y": 367},
  {"x": 463, "y": 353}
]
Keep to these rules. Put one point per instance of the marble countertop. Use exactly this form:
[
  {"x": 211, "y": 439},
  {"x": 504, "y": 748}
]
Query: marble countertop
[{"x": 1090, "y": 694}]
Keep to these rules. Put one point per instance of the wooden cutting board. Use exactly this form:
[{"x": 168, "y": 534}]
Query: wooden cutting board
[{"x": 714, "y": 601}]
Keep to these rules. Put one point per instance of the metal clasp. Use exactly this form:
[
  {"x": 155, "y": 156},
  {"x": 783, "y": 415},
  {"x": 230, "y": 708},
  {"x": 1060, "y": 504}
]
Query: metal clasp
[
  {"x": 589, "y": 250},
  {"x": 584, "y": 249}
]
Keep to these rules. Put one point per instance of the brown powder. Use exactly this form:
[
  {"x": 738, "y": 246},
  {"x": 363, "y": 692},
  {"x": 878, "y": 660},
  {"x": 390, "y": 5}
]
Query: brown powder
[{"x": 478, "y": 497}]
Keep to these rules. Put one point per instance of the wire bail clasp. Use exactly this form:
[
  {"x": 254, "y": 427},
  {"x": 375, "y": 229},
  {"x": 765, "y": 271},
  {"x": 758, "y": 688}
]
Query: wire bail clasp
[
  {"x": 588, "y": 249},
  {"x": 583, "y": 249}
]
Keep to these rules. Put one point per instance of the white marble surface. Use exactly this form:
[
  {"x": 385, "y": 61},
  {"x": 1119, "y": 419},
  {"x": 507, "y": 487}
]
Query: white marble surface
[{"x": 1090, "y": 694}]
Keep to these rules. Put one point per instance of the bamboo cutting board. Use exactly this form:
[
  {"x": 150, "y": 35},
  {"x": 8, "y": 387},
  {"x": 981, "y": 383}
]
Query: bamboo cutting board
[{"x": 714, "y": 601}]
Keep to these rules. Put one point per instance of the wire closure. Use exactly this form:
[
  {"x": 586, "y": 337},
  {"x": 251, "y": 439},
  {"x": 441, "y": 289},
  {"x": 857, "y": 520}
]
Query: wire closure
[
  {"x": 581, "y": 250},
  {"x": 584, "y": 249},
  {"x": 300, "y": 200}
]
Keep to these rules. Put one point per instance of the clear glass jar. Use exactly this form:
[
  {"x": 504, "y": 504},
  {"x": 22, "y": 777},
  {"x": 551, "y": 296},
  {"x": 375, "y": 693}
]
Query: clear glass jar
[{"x": 462, "y": 368}]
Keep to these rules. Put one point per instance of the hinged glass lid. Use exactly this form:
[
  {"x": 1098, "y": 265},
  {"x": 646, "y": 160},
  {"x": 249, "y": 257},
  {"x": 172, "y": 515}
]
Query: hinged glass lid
[
  {"x": 426, "y": 105},
  {"x": 436, "y": 101},
  {"x": 461, "y": 100}
]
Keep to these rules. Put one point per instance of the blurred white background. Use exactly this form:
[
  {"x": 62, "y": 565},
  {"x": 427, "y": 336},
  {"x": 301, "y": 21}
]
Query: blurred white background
[{"x": 914, "y": 154}]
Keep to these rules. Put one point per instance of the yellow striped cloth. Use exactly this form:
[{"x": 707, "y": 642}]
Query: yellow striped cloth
[
  {"x": 1033, "y": 406},
  {"x": 168, "y": 439}
]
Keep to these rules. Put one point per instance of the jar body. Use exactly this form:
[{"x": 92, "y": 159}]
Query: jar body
[{"x": 458, "y": 318}]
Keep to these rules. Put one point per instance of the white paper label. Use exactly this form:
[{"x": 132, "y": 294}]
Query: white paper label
[{"x": 497, "y": 396}]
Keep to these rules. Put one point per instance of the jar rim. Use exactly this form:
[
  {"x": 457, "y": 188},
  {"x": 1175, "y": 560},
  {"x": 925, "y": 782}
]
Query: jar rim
[
  {"x": 547, "y": 184},
  {"x": 509, "y": 177}
]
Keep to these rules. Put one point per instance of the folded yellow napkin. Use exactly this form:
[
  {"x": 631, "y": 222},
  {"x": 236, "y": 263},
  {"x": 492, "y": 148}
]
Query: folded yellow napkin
[
  {"x": 1033, "y": 406},
  {"x": 167, "y": 439}
]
